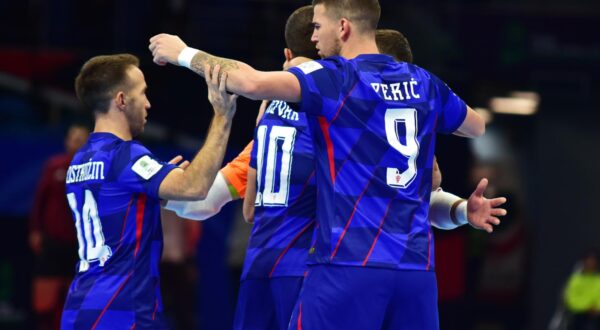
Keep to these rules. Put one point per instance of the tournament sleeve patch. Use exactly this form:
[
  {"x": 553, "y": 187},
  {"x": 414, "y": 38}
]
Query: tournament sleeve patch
[
  {"x": 146, "y": 167},
  {"x": 309, "y": 67}
]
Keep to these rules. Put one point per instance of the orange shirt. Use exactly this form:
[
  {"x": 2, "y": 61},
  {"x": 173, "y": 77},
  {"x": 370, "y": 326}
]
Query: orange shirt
[{"x": 236, "y": 173}]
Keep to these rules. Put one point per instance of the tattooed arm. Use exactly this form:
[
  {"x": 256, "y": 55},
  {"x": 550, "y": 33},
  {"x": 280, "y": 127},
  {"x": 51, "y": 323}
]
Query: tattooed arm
[{"x": 242, "y": 79}]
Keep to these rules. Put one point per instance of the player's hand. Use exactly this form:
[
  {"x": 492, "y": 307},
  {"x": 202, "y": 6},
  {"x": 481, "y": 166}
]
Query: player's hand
[
  {"x": 35, "y": 242},
  {"x": 482, "y": 213},
  {"x": 165, "y": 48},
  {"x": 223, "y": 103},
  {"x": 178, "y": 159}
]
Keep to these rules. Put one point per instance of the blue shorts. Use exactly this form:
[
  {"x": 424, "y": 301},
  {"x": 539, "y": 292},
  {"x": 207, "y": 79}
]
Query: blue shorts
[
  {"x": 265, "y": 304},
  {"x": 347, "y": 297}
]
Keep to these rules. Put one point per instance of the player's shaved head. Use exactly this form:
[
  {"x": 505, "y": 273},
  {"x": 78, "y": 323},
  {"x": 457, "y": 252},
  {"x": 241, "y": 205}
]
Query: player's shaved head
[
  {"x": 100, "y": 77},
  {"x": 298, "y": 30},
  {"x": 394, "y": 43},
  {"x": 363, "y": 13}
]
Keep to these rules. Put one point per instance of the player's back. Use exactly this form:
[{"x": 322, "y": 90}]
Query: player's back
[
  {"x": 375, "y": 138},
  {"x": 284, "y": 214},
  {"x": 112, "y": 189}
]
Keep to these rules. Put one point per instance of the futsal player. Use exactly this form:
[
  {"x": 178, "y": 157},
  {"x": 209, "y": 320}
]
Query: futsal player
[
  {"x": 364, "y": 150},
  {"x": 113, "y": 188}
]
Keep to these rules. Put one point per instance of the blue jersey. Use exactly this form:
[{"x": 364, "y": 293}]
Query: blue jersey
[
  {"x": 285, "y": 195},
  {"x": 112, "y": 188},
  {"x": 374, "y": 136}
]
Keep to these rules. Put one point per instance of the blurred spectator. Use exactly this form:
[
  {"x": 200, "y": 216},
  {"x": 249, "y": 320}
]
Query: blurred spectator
[
  {"x": 582, "y": 295},
  {"x": 52, "y": 235}
]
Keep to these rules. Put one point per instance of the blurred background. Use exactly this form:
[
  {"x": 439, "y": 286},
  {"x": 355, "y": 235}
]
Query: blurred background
[{"x": 530, "y": 66}]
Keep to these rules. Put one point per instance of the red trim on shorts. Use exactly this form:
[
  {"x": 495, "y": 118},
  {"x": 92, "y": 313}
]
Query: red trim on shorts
[
  {"x": 139, "y": 221},
  {"x": 110, "y": 302},
  {"x": 378, "y": 232},
  {"x": 339, "y": 242},
  {"x": 132, "y": 327}
]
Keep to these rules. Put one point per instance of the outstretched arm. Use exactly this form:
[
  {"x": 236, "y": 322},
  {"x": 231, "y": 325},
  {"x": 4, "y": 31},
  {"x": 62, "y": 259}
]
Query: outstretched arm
[
  {"x": 448, "y": 211},
  {"x": 242, "y": 78},
  {"x": 218, "y": 195}
]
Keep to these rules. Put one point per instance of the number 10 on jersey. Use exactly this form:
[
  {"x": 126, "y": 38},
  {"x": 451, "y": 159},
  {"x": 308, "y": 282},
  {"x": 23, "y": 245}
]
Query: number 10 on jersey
[{"x": 277, "y": 166}]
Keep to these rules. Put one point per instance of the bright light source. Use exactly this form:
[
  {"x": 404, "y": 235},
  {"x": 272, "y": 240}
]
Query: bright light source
[
  {"x": 525, "y": 95},
  {"x": 519, "y": 103}
]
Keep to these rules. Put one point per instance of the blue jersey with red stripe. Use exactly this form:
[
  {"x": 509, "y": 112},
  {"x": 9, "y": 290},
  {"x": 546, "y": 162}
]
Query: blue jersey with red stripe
[
  {"x": 374, "y": 134},
  {"x": 283, "y": 157},
  {"x": 112, "y": 189}
]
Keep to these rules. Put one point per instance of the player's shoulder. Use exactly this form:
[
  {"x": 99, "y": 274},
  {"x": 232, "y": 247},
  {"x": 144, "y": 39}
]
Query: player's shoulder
[
  {"x": 328, "y": 63},
  {"x": 129, "y": 149},
  {"x": 423, "y": 73}
]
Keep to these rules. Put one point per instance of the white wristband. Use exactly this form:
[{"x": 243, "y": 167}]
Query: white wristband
[
  {"x": 186, "y": 56},
  {"x": 447, "y": 211},
  {"x": 461, "y": 213}
]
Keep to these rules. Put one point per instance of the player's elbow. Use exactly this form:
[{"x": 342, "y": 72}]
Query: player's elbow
[
  {"x": 476, "y": 127},
  {"x": 192, "y": 192},
  {"x": 198, "y": 193}
]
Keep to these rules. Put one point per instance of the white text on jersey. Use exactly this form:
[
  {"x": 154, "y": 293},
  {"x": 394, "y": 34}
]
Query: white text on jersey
[
  {"x": 83, "y": 172},
  {"x": 398, "y": 91},
  {"x": 283, "y": 110}
]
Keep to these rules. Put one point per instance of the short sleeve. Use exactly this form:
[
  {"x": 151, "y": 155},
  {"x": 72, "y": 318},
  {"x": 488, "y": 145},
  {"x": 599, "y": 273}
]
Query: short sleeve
[
  {"x": 142, "y": 172},
  {"x": 321, "y": 83},
  {"x": 453, "y": 109}
]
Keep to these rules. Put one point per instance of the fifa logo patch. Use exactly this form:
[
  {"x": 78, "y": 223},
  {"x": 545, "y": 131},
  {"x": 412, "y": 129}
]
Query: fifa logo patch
[{"x": 146, "y": 167}]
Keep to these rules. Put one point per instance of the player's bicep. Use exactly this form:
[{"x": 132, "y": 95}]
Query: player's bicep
[
  {"x": 250, "y": 196},
  {"x": 277, "y": 85}
]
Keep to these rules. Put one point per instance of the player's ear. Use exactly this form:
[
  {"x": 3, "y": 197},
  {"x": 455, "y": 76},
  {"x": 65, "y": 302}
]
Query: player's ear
[
  {"x": 120, "y": 100},
  {"x": 288, "y": 54},
  {"x": 344, "y": 29}
]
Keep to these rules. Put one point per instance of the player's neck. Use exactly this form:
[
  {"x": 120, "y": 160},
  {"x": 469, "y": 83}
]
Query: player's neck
[
  {"x": 109, "y": 124},
  {"x": 359, "y": 45}
]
